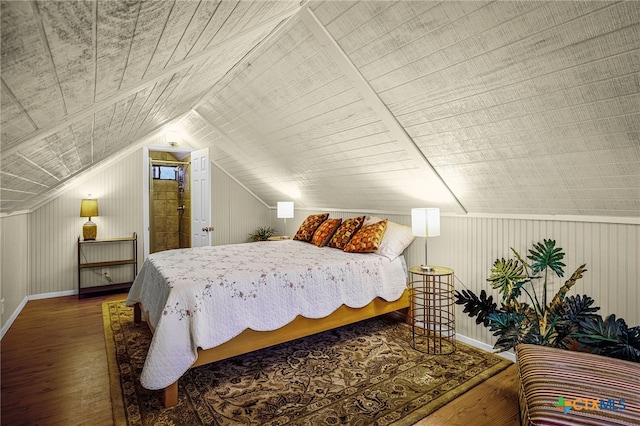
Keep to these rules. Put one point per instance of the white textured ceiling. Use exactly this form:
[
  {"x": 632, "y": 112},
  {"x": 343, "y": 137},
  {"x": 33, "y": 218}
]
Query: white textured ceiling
[{"x": 481, "y": 107}]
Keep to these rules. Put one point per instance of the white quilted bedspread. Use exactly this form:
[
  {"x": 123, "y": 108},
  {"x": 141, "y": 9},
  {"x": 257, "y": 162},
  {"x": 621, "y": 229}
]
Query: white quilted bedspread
[{"x": 203, "y": 297}]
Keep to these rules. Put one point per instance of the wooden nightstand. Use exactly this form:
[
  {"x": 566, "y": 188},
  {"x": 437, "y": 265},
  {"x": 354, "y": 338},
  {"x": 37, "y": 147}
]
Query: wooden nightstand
[
  {"x": 433, "y": 321},
  {"x": 100, "y": 255}
]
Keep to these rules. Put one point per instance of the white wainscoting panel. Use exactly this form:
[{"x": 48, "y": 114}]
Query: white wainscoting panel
[{"x": 470, "y": 245}]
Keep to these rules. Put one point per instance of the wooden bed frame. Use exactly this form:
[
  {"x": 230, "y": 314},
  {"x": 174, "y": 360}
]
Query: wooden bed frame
[{"x": 250, "y": 340}]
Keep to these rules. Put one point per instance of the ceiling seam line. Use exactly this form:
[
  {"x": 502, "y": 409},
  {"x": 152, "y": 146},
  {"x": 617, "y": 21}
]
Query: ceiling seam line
[
  {"x": 175, "y": 78},
  {"x": 370, "y": 97},
  {"x": 133, "y": 37},
  {"x": 39, "y": 167},
  {"x": 8, "y": 90},
  {"x": 504, "y": 46},
  {"x": 272, "y": 34},
  {"x": 45, "y": 41},
  {"x": 94, "y": 33},
  {"x": 450, "y": 45},
  {"x": 95, "y": 107},
  {"x": 281, "y": 187},
  {"x": 526, "y": 98},
  {"x": 173, "y": 52},
  {"x": 205, "y": 28},
  {"x": 4, "y": 172},
  {"x": 146, "y": 99},
  {"x": 155, "y": 48},
  {"x": 203, "y": 118}
]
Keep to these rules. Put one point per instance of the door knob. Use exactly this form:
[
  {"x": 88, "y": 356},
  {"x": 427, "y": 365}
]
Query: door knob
[{"x": 208, "y": 229}]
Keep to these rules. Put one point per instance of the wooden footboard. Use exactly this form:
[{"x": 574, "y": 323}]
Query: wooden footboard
[{"x": 250, "y": 340}]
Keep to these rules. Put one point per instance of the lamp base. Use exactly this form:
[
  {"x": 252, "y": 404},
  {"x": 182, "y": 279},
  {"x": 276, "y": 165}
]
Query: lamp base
[
  {"x": 426, "y": 268},
  {"x": 89, "y": 230}
]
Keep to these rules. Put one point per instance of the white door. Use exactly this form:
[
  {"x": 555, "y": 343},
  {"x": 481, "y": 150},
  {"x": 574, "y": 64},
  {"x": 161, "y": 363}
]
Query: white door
[{"x": 200, "y": 198}]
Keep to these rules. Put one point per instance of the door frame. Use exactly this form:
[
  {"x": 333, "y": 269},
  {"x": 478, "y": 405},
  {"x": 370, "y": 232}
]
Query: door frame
[{"x": 145, "y": 188}]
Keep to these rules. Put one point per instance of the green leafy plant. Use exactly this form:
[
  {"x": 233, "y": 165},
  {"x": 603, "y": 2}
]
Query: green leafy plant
[
  {"x": 262, "y": 233},
  {"x": 564, "y": 322}
]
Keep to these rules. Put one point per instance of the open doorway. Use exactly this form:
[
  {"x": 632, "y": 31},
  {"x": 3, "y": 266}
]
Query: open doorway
[
  {"x": 170, "y": 201},
  {"x": 164, "y": 222},
  {"x": 196, "y": 201}
]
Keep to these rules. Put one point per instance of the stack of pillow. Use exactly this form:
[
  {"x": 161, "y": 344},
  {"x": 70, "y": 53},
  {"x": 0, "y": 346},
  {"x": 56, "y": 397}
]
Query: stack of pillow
[{"x": 356, "y": 235}]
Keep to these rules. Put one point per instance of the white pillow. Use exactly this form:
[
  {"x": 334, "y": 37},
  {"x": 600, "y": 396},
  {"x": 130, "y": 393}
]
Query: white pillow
[{"x": 395, "y": 239}]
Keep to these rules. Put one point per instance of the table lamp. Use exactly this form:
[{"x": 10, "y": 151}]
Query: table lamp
[
  {"x": 425, "y": 222},
  {"x": 285, "y": 210},
  {"x": 89, "y": 208}
]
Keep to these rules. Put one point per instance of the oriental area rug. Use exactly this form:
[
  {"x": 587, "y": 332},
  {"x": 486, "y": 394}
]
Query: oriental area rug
[{"x": 361, "y": 374}]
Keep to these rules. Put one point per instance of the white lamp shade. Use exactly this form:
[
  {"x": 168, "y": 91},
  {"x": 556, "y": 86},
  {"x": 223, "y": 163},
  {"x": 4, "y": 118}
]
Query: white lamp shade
[
  {"x": 285, "y": 209},
  {"x": 425, "y": 222}
]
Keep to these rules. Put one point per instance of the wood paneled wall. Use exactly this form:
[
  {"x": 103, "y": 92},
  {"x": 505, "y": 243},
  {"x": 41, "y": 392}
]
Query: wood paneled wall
[
  {"x": 235, "y": 211},
  {"x": 14, "y": 277},
  {"x": 55, "y": 226},
  {"x": 470, "y": 245},
  {"x": 467, "y": 244}
]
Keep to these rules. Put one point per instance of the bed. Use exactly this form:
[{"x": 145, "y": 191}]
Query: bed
[{"x": 210, "y": 303}]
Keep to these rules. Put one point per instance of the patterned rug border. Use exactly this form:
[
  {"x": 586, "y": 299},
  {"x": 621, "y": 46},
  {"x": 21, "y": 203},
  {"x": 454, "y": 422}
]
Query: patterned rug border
[
  {"x": 117, "y": 400},
  {"x": 119, "y": 412}
]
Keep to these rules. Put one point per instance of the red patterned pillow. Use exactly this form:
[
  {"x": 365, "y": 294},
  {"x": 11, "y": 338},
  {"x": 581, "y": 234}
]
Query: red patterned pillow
[
  {"x": 325, "y": 231},
  {"x": 368, "y": 238},
  {"x": 344, "y": 233},
  {"x": 309, "y": 226}
]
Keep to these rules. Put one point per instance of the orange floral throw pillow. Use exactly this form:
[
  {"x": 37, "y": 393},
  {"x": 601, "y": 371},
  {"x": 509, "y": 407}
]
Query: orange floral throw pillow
[
  {"x": 325, "y": 231},
  {"x": 309, "y": 226},
  {"x": 344, "y": 233},
  {"x": 368, "y": 238}
]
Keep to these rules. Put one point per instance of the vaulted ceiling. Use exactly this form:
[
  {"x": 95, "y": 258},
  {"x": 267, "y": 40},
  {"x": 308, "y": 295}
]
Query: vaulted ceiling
[{"x": 516, "y": 107}]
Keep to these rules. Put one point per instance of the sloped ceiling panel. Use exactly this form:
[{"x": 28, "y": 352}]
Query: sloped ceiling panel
[
  {"x": 289, "y": 124},
  {"x": 477, "y": 106},
  {"x": 83, "y": 80},
  {"x": 522, "y": 107}
]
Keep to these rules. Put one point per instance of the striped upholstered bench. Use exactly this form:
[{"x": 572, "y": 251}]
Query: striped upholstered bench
[{"x": 561, "y": 387}]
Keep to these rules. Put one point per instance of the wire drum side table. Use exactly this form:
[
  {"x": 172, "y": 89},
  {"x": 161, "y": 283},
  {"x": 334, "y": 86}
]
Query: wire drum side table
[{"x": 433, "y": 322}]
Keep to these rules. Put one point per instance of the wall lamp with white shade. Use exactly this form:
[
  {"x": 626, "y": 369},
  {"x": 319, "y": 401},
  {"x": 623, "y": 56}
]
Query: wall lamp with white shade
[
  {"x": 285, "y": 211},
  {"x": 425, "y": 222}
]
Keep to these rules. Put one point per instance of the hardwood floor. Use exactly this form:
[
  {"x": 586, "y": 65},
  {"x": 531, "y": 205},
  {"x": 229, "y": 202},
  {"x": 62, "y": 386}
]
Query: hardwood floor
[{"x": 54, "y": 372}]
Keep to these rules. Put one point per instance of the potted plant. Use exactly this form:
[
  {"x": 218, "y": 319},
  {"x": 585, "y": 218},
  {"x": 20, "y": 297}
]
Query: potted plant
[
  {"x": 568, "y": 322},
  {"x": 262, "y": 233}
]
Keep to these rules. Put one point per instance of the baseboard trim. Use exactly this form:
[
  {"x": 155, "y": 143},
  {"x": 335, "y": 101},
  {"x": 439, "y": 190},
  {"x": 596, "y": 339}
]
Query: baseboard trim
[
  {"x": 488, "y": 348},
  {"x": 20, "y": 307},
  {"x": 52, "y": 295},
  {"x": 13, "y": 316}
]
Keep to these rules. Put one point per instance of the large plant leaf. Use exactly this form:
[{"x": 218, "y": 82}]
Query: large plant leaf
[
  {"x": 546, "y": 255},
  {"x": 474, "y": 306},
  {"x": 610, "y": 337},
  {"x": 570, "y": 312},
  {"x": 575, "y": 308},
  {"x": 508, "y": 277},
  {"x": 559, "y": 297},
  {"x": 509, "y": 327}
]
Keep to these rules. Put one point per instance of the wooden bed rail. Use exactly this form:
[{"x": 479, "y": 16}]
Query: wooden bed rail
[{"x": 250, "y": 340}]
